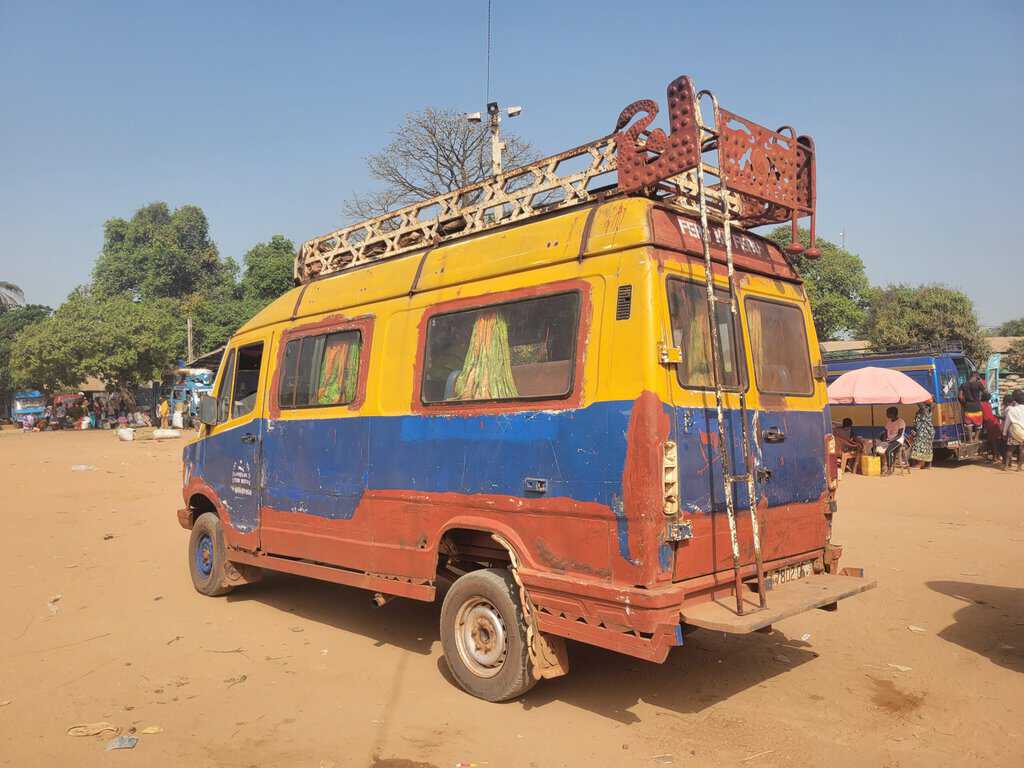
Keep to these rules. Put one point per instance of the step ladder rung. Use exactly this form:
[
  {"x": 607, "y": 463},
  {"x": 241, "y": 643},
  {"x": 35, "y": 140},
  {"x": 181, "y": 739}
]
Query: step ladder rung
[{"x": 745, "y": 477}]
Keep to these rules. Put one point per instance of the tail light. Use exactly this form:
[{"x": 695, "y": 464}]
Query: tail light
[
  {"x": 670, "y": 478},
  {"x": 831, "y": 462}
]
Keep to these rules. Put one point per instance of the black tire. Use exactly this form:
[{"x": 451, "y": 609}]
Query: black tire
[
  {"x": 207, "y": 556},
  {"x": 470, "y": 636}
]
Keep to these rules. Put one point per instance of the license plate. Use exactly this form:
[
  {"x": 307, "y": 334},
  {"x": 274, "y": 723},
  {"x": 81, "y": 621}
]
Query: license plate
[{"x": 789, "y": 573}]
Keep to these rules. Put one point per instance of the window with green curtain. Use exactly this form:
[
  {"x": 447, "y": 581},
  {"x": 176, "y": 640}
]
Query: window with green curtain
[
  {"x": 514, "y": 351},
  {"x": 320, "y": 370}
]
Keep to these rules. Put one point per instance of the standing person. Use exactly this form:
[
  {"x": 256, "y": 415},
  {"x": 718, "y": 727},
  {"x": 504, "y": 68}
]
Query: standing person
[
  {"x": 924, "y": 436},
  {"x": 972, "y": 394},
  {"x": 163, "y": 410},
  {"x": 1013, "y": 429}
]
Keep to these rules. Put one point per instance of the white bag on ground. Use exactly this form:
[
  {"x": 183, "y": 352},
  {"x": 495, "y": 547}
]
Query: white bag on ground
[
  {"x": 176, "y": 420},
  {"x": 125, "y": 434}
]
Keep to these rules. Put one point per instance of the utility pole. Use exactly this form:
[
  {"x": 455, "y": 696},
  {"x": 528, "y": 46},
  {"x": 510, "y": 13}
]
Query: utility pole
[
  {"x": 842, "y": 238},
  {"x": 189, "y": 328},
  {"x": 494, "y": 123}
]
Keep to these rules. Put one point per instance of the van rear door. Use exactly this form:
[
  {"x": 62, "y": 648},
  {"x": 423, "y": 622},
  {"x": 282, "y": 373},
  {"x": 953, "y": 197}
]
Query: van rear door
[{"x": 792, "y": 425}]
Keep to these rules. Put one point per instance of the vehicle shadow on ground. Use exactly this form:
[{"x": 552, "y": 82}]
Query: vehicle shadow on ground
[
  {"x": 991, "y": 622},
  {"x": 408, "y": 624},
  {"x": 709, "y": 668}
]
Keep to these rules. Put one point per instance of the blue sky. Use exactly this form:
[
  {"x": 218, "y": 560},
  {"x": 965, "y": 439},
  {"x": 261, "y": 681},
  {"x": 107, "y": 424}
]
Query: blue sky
[{"x": 263, "y": 113}]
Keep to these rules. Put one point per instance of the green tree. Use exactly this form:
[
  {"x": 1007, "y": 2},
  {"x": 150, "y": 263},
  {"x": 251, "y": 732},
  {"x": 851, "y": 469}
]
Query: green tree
[
  {"x": 11, "y": 323},
  {"x": 268, "y": 271},
  {"x": 157, "y": 254},
  {"x": 219, "y": 312},
  {"x": 117, "y": 339},
  {"x": 924, "y": 315},
  {"x": 1010, "y": 328},
  {"x": 836, "y": 285}
]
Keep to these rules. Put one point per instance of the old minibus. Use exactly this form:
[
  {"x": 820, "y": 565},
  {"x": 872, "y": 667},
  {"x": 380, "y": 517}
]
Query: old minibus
[{"x": 537, "y": 393}]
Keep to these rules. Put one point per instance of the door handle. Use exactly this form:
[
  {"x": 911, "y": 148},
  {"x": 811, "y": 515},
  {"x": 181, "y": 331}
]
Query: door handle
[
  {"x": 248, "y": 437},
  {"x": 773, "y": 435}
]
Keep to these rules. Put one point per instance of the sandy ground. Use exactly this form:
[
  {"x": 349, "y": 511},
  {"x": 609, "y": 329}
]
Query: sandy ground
[{"x": 293, "y": 672}]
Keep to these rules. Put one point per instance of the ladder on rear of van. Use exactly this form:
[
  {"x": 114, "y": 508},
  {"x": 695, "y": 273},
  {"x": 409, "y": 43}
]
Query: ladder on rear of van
[{"x": 710, "y": 141}]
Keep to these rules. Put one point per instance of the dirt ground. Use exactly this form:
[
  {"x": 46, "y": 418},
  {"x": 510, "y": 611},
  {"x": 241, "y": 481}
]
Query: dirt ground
[{"x": 926, "y": 670}]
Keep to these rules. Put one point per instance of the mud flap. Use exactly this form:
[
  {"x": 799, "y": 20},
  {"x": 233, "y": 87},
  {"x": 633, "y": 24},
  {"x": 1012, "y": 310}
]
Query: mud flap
[{"x": 548, "y": 655}]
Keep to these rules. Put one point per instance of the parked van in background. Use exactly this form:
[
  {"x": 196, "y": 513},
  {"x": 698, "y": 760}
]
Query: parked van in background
[{"x": 940, "y": 371}]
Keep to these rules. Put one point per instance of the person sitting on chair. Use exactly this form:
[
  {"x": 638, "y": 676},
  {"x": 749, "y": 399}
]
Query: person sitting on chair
[{"x": 895, "y": 427}]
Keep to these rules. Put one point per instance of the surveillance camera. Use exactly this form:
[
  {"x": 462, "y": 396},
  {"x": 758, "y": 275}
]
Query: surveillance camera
[
  {"x": 514, "y": 111},
  {"x": 492, "y": 108},
  {"x": 474, "y": 117}
]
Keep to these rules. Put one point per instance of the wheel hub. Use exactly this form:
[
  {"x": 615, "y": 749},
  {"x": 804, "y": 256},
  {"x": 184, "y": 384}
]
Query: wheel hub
[{"x": 480, "y": 637}]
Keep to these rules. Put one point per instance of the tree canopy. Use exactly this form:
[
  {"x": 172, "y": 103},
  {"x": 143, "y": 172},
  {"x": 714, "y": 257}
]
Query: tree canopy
[
  {"x": 1010, "y": 328},
  {"x": 128, "y": 325},
  {"x": 158, "y": 254},
  {"x": 120, "y": 340},
  {"x": 925, "y": 315},
  {"x": 432, "y": 152},
  {"x": 836, "y": 284},
  {"x": 12, "y": 322}
]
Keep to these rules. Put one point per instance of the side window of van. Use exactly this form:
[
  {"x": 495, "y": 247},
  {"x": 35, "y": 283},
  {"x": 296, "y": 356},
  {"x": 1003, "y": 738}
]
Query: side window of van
[
  {"x": 778, "y": 346},
  {"x": 688, "y": 310},
  {"x": 247, "y": 379},
  {"x": 320, "y": 370},
  {"x": 520, "y": 350},
  {"x": 224, "y": 393}
]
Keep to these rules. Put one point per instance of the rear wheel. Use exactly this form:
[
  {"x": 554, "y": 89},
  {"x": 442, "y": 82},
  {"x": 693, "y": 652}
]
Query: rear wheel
[
  {"x": 207, "y": 558},
  {"x": 483, "y": 634}
]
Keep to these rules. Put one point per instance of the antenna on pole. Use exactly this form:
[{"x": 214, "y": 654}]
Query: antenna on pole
[
  {"x": 487, "y": 91},
  {"x": 493, "y": 110}
]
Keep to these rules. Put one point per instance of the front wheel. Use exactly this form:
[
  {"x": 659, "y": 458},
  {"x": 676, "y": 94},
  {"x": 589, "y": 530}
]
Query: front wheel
[
  {"x": 207, "y": 556},
  {"x": 483, "y": 634}
]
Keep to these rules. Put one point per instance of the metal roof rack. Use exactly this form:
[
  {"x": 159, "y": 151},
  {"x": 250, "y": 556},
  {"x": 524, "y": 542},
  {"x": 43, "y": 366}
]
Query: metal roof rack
[
  {"x": 768, "y": 175},
  {"x": 952, "y": 347}
]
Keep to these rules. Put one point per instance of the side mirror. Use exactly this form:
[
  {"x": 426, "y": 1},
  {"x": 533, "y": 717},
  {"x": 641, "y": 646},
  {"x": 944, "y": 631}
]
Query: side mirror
[{"x": 208, "y": 410}]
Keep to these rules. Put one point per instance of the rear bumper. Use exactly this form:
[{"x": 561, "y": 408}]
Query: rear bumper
[{"x": 647, "y": 623}]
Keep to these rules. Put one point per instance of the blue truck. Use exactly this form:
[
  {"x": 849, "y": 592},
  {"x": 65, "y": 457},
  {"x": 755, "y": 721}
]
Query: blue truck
[
  {"x": 940, "y": 371},
  {"x": 27, "y": 402}
]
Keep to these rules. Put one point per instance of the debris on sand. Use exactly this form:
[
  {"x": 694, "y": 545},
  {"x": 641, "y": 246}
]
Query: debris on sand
[
  {"x": 122, "y": 742},
  {"x": 51, "y": 604},
  {"x": 83, "y": 468},
  {"x": 915, "y": 628},
  {"x": 93, "y": 729},
  {"x": 149, "y": 730},
  {"x": 236, "y": 680}
]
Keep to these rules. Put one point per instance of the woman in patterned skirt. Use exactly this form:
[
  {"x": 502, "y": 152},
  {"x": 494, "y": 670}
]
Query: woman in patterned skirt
[{"x": 924, "y": 436}]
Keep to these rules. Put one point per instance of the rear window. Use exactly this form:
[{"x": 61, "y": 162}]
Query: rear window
[
  {"x": 320, "y": 370},
  {"x": 778, "y": 346},
  {"x": 688, "y": 309},
  {"x": 517, "y": 351}
]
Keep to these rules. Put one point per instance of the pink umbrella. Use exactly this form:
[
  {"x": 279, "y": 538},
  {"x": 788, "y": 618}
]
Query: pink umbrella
[{"x": 876, "y": 386}]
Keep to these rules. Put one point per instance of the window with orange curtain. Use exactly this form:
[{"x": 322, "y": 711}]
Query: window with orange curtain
[
  {"x": 320, "y": 370},
  {"x": 688, "y": 310},
  {"x": 778, "y": 346}
]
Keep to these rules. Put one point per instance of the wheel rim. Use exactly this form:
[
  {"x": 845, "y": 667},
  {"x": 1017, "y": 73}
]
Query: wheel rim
[
  {"x": 204, "y": 555},
  {"x": 480, "y": 637}
]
